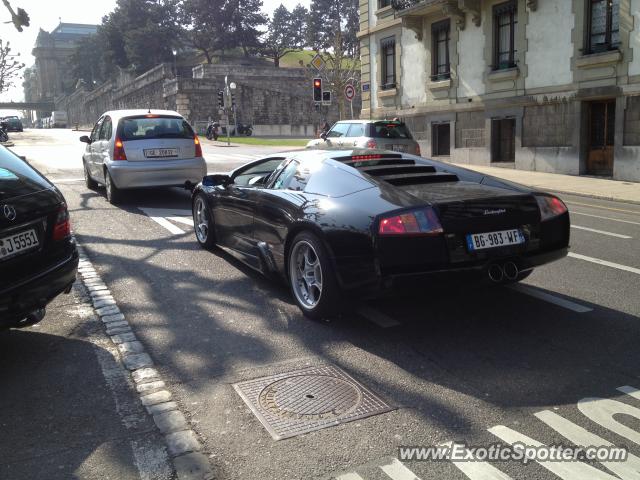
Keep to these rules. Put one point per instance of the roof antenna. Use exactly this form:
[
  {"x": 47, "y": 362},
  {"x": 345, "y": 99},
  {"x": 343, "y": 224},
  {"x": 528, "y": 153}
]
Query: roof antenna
[{"x": 149, "y": 109}]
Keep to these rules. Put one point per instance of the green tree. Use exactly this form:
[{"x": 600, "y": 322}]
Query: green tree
[
  {"x": 84, "y": 62},
  {"x": 277, "y": 39},
  {"x": 207, "y": 25},
  {"x": 10, "y": 66},
  {"x": 246, "y": 20},
  {"x": 298, "y": 26}
]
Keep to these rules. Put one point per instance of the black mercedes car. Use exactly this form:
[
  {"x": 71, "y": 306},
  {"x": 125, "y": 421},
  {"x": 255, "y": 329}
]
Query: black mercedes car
[
  {"x": 358, "y": 222},
  {"x": 38, "y": 256}
]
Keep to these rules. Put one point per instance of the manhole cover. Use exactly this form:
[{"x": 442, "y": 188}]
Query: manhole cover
[{"x": 301, "y": 401}]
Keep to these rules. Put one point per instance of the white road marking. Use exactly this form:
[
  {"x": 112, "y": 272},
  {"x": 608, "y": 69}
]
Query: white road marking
[
  {"x": 479, "y": 470},
  {"x": 166, "y": 212},
  {"x": 564, "y": 470},
  {"x": 632, "y": 391},
  {"x": 397, "y": 471},
  {"x": 611, "y": 234},
  {"x": 605, "y": 263},
  {"x": 547, "y": 297},
  {"x": 350, "y": 476},
  {"x": 67, "y": 180},
  {"x": 185, "y": 220},
  {"x": 376, "y": 316},
  {"x": 629, "y": 469},
  {"x": 572, "y": 212},
  {"x": 602, "y": 411},
  {"x": 637, "y": 212}
]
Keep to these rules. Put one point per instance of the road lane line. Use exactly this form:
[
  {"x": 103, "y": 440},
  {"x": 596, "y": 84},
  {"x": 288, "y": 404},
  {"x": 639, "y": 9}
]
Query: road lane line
[
  {"x": 564, "y": 470},
  {"x": 185, "y": 220},
  {"x": 397, "y": 471},
  {"x": 572, "y": 212},
  {"x": 160, "y": 220},
  {"x": 547, "y": 297},
  {"x": 605, "y": 263},
  {"x": 632, "y": 391},
  {"x": 376, "y": 316},
  {"x": 350, "y": 476},
  {"x": 611, "y": 234},
  {"x": 166, "y": 212},
  {"x": 66, "y": 180},
  {"x": 604, "y": 208}
]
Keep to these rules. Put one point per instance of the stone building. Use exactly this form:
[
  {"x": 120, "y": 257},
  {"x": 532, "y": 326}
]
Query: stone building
[
  {"x": 546, "y": 85},
  {"x": 52, "y": 52}
]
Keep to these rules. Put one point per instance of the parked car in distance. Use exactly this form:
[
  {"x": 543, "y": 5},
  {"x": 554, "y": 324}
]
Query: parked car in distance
[
  {"x": 59, "y": 119},
  {"x": 336, "y": 224},
  {"x": 374, "y": 134},
  {"x": 13, "y": 123},
  {"x": 38, "y": 256},
  {"x": 130, "y": 149}
]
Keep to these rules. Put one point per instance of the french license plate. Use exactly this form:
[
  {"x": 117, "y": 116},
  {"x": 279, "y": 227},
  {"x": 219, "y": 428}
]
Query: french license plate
[
  {"x": 480, "y": 241},
  {"x": 17, "y": 243},
  {"x": 160, "y": 152},
  {"x": 399, "y": 148}
]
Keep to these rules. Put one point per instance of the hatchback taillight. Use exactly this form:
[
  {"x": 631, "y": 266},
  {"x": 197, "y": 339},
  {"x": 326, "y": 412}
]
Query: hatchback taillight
[
  {"x": 416, "y": 222},
  {"x": 62, "y": 225},
  {"x": 196, "y": 140},
  {"x": 118, "y": 150}
]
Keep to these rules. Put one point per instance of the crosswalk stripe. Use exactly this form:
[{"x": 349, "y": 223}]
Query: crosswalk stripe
[
  {"x": 350, "y": 476},
  {"x": 540, "y": 295},
  {"x": 479, "y": 470},
  {"x": 602, "y": 232},
  {"x": 185, "y": 220},
  {"x": 606, "y": 263},
  {"x": 564, "y": 470},
  {"x": 397, "y": 471},
  {"x": 168, "y": 225}
]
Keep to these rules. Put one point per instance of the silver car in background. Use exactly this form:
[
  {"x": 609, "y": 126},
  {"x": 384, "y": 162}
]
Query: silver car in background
[
  {"x": 379, "y": 134},
  {"x": 130, "y": 149}
]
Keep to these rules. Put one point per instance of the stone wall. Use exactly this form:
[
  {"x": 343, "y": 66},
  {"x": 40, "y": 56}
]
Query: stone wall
[
  {"x": 276, "y": 101},
  {"x": 549, "y": 125},
  {"x": 632, "y": 122}
]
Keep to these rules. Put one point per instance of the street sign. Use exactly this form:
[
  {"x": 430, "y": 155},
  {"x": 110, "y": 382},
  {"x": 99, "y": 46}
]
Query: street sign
[
  {"x": 317, "y": 62},
  {"x": 349, "y": 92},
  {"x": 365, "y": 87}
]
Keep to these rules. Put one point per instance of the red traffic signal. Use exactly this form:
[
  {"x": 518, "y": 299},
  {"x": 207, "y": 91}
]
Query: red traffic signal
[{"x": 317, "y": 89}]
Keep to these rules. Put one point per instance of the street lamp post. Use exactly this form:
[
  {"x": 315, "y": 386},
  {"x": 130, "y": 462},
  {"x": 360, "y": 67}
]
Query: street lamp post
[
  {"x": 232, "y": 86},
  {"x": 175, "y": 64}
]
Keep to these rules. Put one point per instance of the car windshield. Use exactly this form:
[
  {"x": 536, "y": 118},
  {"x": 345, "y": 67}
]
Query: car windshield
[
  {"x": 390, "y": 130},
  {"x": 150, "y": 127}
]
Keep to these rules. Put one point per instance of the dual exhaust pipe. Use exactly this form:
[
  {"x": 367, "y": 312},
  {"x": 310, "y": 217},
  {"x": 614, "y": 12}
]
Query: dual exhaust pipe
[{"x": 506, "y": 271}]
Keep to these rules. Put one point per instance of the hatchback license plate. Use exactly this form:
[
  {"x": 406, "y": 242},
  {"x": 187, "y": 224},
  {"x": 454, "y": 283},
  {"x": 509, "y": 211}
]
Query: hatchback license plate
[
  {"x": 399, "y": 148},
  {"x": 480, "y": 241},
  {"x": 160, "y": 152},
  {"x": 17, "y": 243}
]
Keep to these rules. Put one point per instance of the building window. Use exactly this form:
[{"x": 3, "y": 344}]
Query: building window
[
  {"x": 388, "y": 47},
  {"x": 604, "y": 25},
  {"x": 440, "y": 35},
  {"x": 440, "y": 139},
  {"x": 383, "y": 3},
  {"x": 505, "y": 20}
]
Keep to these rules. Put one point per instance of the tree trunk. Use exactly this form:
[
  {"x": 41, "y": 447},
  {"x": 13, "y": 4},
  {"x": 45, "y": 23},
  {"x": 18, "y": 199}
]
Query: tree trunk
[{"x": 276, "y": 61}]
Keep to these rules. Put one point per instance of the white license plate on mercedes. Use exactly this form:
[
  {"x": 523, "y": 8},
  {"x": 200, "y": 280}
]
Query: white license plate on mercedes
[
  {"x": 160, "y": 152},
  {"x": 17, "y": 243},
  {"x": 480, "y": 241}
]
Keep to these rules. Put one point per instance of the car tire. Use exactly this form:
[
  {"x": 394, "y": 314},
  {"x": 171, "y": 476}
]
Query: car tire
[
  {"x": 203, "y": 222},
  {"x": 114, "y": 194},
  {"x": 90, "y": 183},
  {"x": 307, "y": 263}
]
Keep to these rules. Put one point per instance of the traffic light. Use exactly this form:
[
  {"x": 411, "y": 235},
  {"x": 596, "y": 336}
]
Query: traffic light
[
  {"x": 317, "y": 89},
  {"x": 233, "y": 99},
  {"x": 326, "y": 98},
  {"x": 220, "y": 98}
]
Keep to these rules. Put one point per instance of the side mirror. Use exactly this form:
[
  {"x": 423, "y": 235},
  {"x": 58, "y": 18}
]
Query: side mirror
[
  {"x": 217, "y": 179},
  {"x": 85, "y": 139},
  {"x": 323, "y": 136}
]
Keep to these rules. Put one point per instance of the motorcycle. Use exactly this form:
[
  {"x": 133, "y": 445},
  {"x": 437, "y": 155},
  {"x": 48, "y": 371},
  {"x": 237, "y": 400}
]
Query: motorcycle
[
  {"x": 242, "y": 129},
  {"x": 213, "y": 131},
  {"x": 4, "y": 137}
]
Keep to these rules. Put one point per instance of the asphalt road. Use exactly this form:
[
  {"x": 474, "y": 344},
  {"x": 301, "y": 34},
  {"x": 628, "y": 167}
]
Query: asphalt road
[{"x": 472, "y": 365}]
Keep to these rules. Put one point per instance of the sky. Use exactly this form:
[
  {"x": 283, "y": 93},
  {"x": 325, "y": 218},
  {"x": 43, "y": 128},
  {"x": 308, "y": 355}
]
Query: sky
[{"x": 46, "y": 14}]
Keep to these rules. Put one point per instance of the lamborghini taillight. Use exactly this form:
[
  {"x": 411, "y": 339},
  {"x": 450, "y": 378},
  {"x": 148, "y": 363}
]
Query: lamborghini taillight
[{"x": 423, "y": 221}]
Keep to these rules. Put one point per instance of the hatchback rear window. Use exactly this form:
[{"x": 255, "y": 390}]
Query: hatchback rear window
[
  {"x": 17, "y": 178},
  {"x": 389, "y": 130},
  {"x": 150, "y": 127}
]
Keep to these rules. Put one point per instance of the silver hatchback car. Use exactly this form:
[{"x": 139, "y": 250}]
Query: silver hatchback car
[
  {"x": 379, "y": 134},
  {"x": 142, "y": 148}
]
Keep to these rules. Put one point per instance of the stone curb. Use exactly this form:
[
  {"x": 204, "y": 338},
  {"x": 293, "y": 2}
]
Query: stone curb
[{"x": 182, "y": 443}]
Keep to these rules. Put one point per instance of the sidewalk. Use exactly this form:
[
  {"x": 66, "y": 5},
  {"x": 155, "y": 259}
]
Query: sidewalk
[{"x": 585, "y": 186}]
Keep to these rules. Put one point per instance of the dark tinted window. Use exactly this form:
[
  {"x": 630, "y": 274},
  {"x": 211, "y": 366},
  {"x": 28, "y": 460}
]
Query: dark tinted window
[
  {"x": 17, "y": 177},
  {"x": 263, "y": 169},
  {"x": 332, "y": 181},
  {"x": 148, "y": 127},
  {"x": 389, "y": 130}
]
